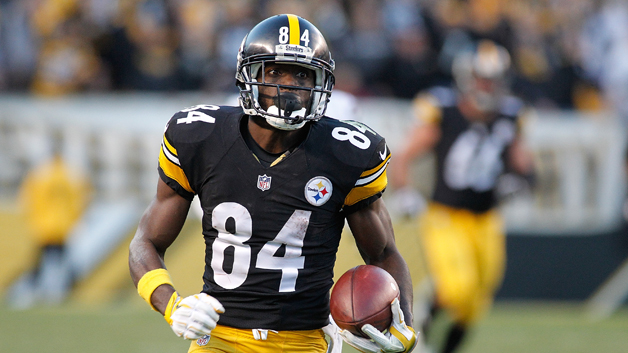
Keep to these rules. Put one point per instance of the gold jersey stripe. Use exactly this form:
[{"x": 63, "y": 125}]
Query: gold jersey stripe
[
  {"x": 295, "y": 31},
  {"x": 360, "y": 193},
  {"x": 376, "y": 169},
  {"x": 173, "y": 171},
  {"x": 170, "y": 152},
  {"x": 171, "y": 149}
]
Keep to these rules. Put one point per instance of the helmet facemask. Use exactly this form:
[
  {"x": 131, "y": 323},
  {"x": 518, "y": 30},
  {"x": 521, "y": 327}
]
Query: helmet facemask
[{"x": 288, "y": 111}]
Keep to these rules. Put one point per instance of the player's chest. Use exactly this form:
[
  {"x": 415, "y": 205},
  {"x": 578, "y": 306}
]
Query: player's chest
[
  {"x": 475, "y": 136},
  {"x": 302, "y": 180}
]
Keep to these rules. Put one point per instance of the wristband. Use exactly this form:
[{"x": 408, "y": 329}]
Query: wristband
[{"x": 150, "y": 281}]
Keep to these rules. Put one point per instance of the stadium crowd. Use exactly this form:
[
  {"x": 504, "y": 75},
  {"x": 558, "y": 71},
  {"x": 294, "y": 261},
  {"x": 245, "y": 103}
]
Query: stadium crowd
[{"x": 567, "y": 54}]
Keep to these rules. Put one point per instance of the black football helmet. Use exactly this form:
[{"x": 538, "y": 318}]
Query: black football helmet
[
  {"x": 285, "y": 39},
  {"x": 489, "y": 62}
]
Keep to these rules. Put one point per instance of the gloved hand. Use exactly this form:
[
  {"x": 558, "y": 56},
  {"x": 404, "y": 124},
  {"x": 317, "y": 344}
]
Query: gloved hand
[
  {"x": 511, "y": 185},
  {"x": 193, "y": 317},
  {"x": 406, "y": 202},
  {"x": 399, "y": 338},
  {"x": 335, "y": 340}
]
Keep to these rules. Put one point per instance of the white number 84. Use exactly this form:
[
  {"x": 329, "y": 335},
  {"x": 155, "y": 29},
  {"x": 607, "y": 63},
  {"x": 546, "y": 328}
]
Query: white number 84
[
  {"x": 356, "y": 138},
  {"x": 292, "y": 235}
]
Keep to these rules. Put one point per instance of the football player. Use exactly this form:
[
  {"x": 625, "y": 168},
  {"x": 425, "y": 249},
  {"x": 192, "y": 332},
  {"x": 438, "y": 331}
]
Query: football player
[
  {"x": 276, "y": 181},
  {"x": 474, "y": 133}
]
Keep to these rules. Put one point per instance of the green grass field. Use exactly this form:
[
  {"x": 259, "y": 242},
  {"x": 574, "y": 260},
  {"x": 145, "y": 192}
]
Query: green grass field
[
  {"x": 118, "y": 321},
  {"x": 548, "y": 328},
  {"x": 510, "y": 328}
]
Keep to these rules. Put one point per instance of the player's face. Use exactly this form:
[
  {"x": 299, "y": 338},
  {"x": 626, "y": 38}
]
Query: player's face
[
  {"x": 486, "y": 85},
  {"x": 485, "y": 93},
  {"x": 285, "y": 75}
]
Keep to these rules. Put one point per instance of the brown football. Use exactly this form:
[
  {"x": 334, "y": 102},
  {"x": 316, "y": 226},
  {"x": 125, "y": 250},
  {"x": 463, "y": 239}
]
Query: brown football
[{"x": 362, "y": 295}]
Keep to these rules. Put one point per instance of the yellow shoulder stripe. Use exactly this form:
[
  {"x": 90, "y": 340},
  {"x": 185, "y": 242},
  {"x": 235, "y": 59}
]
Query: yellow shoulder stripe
[
  {"x": 169, "y": 163},
  {"x": 370, "y": 183},
  {"x": 169, "y": 146},
  {"x": 374, "y": 170},
  {"x": 360, "y": 193}
]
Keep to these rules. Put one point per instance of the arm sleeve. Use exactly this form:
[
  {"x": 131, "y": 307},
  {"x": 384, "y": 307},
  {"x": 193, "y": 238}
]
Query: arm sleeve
[{"x": 372, "y": 182}]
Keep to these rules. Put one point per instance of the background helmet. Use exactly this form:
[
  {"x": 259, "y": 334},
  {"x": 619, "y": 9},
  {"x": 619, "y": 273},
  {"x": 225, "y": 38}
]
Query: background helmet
[
  {"x": 489, "y": 63},
  {"x": 285, "y": 39}
]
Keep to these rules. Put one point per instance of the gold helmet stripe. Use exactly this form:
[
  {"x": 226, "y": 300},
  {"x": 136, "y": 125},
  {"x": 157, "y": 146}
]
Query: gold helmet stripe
[{"x": 295, "y": 31}]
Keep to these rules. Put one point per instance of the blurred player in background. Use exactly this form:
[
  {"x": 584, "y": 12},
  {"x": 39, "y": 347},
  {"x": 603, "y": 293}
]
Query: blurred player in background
[
  {"x": 276, "y": 180},
  {"x": 54, "y": 196},
  {"x": 475, "y": 134}
]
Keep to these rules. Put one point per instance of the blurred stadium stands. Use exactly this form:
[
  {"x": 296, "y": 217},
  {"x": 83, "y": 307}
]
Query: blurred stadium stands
[{"x": 566, "y": 54}]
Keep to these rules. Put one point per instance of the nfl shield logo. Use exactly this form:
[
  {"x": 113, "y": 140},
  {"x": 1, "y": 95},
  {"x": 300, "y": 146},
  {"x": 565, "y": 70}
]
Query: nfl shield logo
[
  {"x": 263, "y": 182},
  {"x": 203, "y": 340}
]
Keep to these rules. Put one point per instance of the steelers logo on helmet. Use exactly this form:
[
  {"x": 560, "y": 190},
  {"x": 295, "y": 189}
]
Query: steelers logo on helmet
[{"x": 318, "y": 190}]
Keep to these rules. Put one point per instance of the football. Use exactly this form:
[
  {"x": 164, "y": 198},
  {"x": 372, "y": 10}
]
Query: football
[{"x": 362, "y": 295}]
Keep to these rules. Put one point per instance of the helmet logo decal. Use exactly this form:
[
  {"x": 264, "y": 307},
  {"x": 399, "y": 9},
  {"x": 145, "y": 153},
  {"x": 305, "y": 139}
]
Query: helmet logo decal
[
  {"x": 318, "y": 190},
  {"x": 263, "y": 182},
  {"x": 288, "y": 51}
]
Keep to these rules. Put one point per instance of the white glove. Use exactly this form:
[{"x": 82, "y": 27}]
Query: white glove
[
  {"x": 511, "y": 185},
  {"x": 335, "y": 340},
  {"x": 399, "y": 338},
  {"x": 194, "y": 316},
  {"x": 406, "y": 202}
]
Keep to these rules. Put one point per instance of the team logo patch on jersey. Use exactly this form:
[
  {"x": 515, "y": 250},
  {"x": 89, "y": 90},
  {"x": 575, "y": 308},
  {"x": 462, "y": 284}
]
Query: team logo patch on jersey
[
  {"x": 203, "y": 340},
  {"x": 263, "y": 182},
  {"x": 318, "y": 190}
]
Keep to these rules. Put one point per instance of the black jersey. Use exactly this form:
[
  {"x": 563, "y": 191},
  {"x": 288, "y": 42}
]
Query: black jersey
[
  {"x": 470, "y": 156},
  {"x": 271, "y": 233}
]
